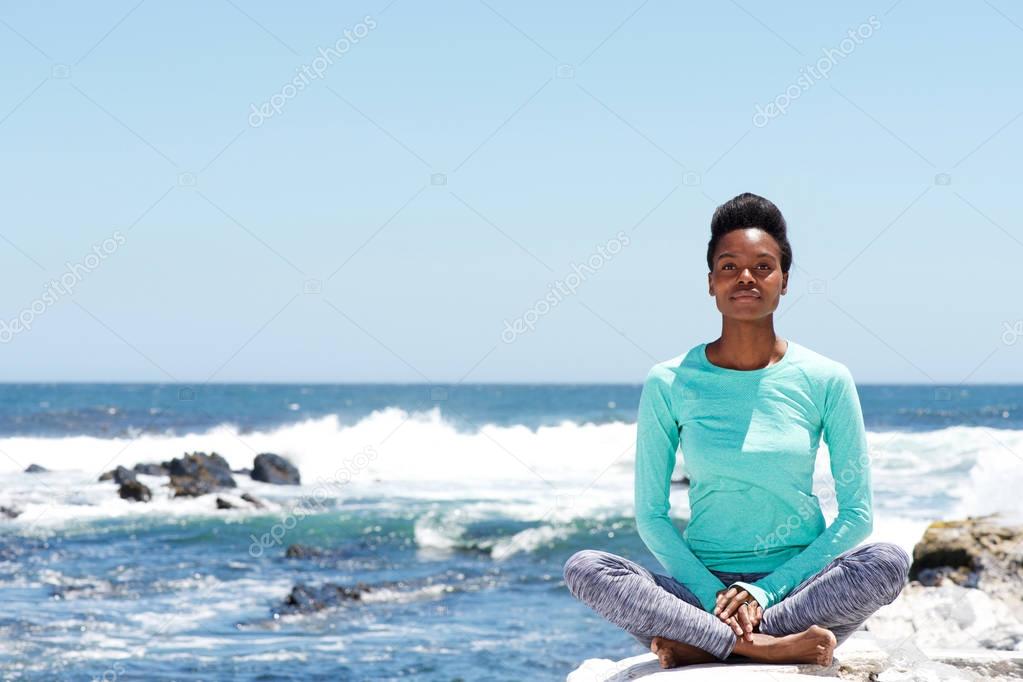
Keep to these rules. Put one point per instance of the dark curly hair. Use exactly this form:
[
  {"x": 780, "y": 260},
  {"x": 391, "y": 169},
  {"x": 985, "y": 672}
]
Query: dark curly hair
[{"x": 749, "y": 210}]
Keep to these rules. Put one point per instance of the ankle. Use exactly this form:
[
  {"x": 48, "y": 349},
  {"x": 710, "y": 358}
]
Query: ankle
[{"x": 761, "y": 646}]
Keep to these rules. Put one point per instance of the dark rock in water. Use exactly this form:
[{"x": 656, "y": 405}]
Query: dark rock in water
[
  {"x": 152, "y": 469},
  {"x": 244, "y": 471},
  {"x": 119, "y": 475},
  {"x": 346, "y": 552},
  {"x": 198, "y": 463},
  {"x": 253, "y": 500},
  {"x": 303, "y": 552},
  {"x": 184, "y": 486},
  {"x": 9, "y": 512},
  {"x": 133, "y": 490},
  {"x": 35, "y": 469},
  {"x": 981, "y": 552},
  {"x": 224, "y": 504},
  {"x": 271, "y": 468},
  {"x": 198, "y": 473},
  {"x": 307, "y": 598}
]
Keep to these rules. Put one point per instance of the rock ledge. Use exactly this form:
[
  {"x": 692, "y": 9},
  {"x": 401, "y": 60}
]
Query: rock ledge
[{"x": 862, "y": 658}]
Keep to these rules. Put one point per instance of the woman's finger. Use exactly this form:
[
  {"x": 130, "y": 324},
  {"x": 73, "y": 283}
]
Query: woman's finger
[
  {"x": 745, "y": 622},
  {"x": 735, "y": 626},
  {"x": 754, "y": 616},
  {"x": 719, "y": 601},
  {"x": 735, "y": 601}
]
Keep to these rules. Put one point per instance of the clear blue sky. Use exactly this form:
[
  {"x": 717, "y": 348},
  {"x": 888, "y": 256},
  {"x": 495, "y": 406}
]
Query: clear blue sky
[{"x": 553, "y": 128}]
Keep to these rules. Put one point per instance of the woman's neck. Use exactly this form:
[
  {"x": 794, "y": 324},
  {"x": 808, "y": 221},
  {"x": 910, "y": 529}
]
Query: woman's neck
[{"x": 746, "y": 347}]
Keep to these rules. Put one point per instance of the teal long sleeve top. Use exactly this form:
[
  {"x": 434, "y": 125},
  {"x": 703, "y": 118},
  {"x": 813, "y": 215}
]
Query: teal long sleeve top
[{"x": 749, "y": 441}]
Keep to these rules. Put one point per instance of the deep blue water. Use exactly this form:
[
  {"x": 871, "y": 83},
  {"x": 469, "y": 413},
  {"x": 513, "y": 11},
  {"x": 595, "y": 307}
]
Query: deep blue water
[{"x": 109, "y": 410}]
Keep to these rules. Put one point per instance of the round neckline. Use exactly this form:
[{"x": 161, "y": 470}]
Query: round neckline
[{"x": 747, "y": 372}]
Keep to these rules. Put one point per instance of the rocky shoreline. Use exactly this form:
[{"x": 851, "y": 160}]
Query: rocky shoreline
[
  {"x": 191, "y": 475},
  {"x": 198, "y": 473},
  {"x": 957, "y": 619}
]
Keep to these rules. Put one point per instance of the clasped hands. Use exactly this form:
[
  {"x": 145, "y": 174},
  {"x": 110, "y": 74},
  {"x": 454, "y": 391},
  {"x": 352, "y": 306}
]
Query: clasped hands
[{"x": 739, "y": 610}]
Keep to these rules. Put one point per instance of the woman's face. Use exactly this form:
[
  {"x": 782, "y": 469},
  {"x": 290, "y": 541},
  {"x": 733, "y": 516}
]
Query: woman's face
[{"x": 747, "y": 281}]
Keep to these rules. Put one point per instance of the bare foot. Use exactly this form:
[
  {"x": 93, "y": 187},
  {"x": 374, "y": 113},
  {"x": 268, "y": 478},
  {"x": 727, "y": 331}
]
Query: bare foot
[
  {"x": 813, "y": 645},
  {"x": 672, "y": 654}
]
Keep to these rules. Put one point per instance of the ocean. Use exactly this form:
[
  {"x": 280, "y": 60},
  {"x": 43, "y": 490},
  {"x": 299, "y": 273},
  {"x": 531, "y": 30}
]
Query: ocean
[{"x": 451, "y": 509}]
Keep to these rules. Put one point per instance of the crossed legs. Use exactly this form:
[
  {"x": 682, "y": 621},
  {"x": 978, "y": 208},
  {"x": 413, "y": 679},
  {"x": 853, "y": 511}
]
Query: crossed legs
[{"x": 838, "y": 598}]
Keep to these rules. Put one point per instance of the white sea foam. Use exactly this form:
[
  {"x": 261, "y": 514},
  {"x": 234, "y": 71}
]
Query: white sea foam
[
  {"x": 387, "y": 594},
  {"x": 528, "y": 540},
  {"x": 405, "y": 446},
  {"x": 437, "y": 531}
]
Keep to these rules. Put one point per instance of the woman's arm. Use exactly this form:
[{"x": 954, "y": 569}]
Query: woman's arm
[
  {"x": 846, "y": 437},
  {"x": 656, "y": 443}
]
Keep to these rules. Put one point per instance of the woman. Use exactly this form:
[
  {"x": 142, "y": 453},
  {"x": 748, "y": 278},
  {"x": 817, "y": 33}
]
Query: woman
[{"x": 756, "y": 574}]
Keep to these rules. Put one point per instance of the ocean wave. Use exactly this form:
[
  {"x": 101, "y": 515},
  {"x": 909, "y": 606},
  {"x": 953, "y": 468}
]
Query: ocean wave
[
  {"x": 398, "y": 445},
  {"x": 553, "y": 473}
]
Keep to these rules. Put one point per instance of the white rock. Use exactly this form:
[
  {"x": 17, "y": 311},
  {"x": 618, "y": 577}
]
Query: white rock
[
  {"x": 863, "y": 657},
  {"x": 949, "y": 616}
]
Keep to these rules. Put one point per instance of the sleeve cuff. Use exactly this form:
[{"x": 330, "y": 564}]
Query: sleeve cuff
[{"x": 757, "y": 592}]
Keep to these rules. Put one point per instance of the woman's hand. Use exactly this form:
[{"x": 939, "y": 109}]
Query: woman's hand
[{"x": 732, "y": 608}]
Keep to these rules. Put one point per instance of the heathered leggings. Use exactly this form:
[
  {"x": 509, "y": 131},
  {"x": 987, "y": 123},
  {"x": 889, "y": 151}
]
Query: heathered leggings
[{"x": 839, "y": 597}]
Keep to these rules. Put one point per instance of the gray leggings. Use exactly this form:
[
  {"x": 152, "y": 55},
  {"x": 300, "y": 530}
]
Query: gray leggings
[{"x": 839, "y": 597}]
